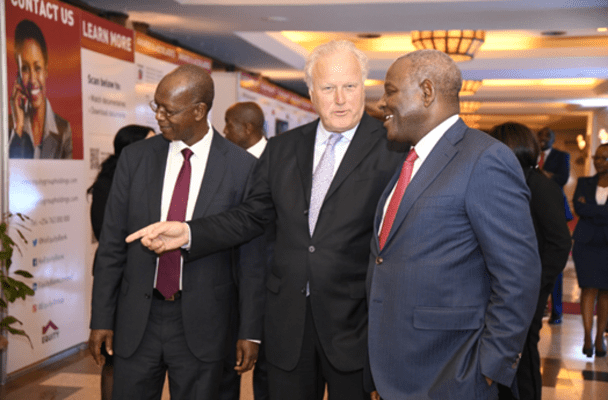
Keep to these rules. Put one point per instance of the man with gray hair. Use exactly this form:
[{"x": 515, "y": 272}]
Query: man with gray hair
[
  {"x": 455, "y": 271},
  {"x": 319, "y": 184}
]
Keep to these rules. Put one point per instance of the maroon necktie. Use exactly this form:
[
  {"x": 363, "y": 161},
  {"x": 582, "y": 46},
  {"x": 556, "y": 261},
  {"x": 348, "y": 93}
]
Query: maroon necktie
[
  {"x": 393, "y": 206},
  {"x": 167, "y": 280},
  {"x": 541, "y": 162}
]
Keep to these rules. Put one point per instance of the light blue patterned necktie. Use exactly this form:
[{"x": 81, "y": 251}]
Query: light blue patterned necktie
[{"x": 321, "y": 179}]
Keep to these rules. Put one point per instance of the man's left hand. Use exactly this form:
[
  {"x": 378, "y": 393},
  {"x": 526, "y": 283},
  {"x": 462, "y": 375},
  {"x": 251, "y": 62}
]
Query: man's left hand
[{"x": 246, "y": 355}]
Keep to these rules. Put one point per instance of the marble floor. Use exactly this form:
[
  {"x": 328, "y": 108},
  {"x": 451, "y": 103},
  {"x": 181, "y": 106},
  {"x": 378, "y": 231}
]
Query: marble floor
[{"x": 567, "y": 373}]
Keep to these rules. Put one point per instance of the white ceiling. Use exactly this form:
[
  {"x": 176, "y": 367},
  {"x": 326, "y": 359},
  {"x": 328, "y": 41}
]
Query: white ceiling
[{"x": 247, "y": 34}]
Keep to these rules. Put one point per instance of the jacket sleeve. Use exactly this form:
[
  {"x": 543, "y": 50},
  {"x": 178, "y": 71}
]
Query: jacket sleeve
[{"x": 497, "y": 202}]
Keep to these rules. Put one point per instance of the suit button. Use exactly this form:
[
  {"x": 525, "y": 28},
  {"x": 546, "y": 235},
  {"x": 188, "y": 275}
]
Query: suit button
[
  {"x": 147, "y": 295},
  {"x": 379, "y": 260},
  {"x": 311, "y": 249},
  {"x": 303, "y": 290}
]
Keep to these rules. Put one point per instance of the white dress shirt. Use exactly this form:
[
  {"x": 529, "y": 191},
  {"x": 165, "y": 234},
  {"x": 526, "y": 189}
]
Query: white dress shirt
[
  {"x": 257, "y": 149},
  {"x": 339, "y": 149},
  {"x": 175, "y": 160}
]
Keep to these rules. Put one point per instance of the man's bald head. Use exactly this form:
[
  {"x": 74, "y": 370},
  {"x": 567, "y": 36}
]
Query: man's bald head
[
  {"x": 244, "y": 124},
  {"x": 196, "y": 81},
  {"x": 182, "y": 102},
  {"x": 436, "y": 66}
]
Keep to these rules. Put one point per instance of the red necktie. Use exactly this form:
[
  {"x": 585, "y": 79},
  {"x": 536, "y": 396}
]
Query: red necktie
[
  {"x": 541, "y": 162},
  {"x": 393, "y": 206},
  {"x": 167, "y": 280}
]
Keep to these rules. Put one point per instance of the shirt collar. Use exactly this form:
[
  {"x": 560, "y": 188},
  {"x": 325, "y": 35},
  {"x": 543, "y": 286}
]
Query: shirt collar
[
  {"x": 427, "y": 143},
  {"x": 323, "y": 134},
  {"x": 177, "y": 145}
]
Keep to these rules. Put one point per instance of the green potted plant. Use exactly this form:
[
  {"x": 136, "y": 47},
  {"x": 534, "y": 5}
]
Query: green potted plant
[{"x": 12, "y": 287}]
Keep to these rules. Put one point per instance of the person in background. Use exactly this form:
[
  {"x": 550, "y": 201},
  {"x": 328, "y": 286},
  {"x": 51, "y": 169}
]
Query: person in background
[
  {"x": 167, "y": 314},
  {"x": 590, "y": 251},
  {"x": 319, "y": 183},
  {"x": 554, "y": 242},
  {"x": 555, "y": 164},
  {"x": 454, "y": 268},
  {"x": 99, "y": 190},
  {"x": 36, "y": 131},
  {"x": 245, "y": 128}
]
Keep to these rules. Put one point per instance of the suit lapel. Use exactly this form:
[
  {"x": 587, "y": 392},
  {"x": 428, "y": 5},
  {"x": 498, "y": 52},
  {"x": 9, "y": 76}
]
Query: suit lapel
[
  {"x": 440, "y": 156},
  {"x": 363, "y": 142},
  {"x": 214, "y": 174},
  {"x": 156, "y": 177},
  {"x": 305, "y": 149}
]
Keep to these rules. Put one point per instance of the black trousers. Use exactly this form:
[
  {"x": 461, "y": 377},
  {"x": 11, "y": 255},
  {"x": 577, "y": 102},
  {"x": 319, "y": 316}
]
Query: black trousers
[
  {"x": 163, "y": 348},
  {"x": 529, "y": 378},
  {"x": 307, "y": 381}
]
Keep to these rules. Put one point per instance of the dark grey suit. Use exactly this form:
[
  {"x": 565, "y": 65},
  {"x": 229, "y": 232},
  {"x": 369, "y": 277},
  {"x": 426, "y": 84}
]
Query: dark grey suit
[
  {"x": 124, "y": 276},
  {"x": 334, "y": 260}
]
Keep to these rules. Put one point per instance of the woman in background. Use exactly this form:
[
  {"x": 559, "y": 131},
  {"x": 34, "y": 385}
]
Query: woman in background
[
  {"x": 36, "y": 131},
  {"x": 590, "y": 252},
  {"x": 554, "y": 242},
  {"x": 100, "y": 191}
]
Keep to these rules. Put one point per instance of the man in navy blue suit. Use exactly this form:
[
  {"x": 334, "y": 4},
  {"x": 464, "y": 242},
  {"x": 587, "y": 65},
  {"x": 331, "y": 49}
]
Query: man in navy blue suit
[
  {"x": 556, "y": 165},
  {"x": 454, "y": 268}
]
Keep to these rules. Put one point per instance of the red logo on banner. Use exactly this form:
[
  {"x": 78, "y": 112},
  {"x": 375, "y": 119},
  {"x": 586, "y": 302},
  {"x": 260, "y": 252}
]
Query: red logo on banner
[{"x": 49, "y": 325}]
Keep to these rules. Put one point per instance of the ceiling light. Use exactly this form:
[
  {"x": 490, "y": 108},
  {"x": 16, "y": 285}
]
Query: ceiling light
[
  {"x": 553, "y": 33},
  {"x": 470, "y": 87},
  {"x": 373, "y": 82},
  {"x": 275, "y": 18},
  {"x": 602, "y": 29},
  {"x": 589, "y": 82},
  {"x": 369, "y": 35},
  {"x": 469, "y": 107},
  {"x": 461, "y": 45}
]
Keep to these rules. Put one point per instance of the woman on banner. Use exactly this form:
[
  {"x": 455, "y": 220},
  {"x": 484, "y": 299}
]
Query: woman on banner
[{"x": 36, "y": 131}]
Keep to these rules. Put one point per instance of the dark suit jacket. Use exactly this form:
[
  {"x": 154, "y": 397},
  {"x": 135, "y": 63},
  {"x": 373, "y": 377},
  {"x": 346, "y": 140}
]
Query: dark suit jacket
[
  {"x": 334, "y": 260},
  {"x": 453, "y": 291},
  {"x": 552, "y": 233},
  {"x": 593, "y": 217},
  {"x": 56, "y": 144},
  {"x": 558, "y": 162},
  {"x": 124, "y": 274}
]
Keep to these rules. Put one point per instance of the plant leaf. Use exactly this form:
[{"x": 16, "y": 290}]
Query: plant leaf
[{"x": 23, "y": 273}]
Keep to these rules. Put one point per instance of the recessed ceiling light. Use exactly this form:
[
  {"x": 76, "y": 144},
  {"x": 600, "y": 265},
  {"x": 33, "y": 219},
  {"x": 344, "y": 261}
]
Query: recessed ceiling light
[
  {"x": 276, "y": 18},
  {"x": 553, "y": 33},
  {"x": 369, "y": 35},
  {"x": 602, "y": 29}
]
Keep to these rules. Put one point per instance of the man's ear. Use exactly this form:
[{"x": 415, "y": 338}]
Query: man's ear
[
  {"x": 248, "y": 128},
  {"x": 201, "y": 111},
  {"x": 428, "y": 91}
]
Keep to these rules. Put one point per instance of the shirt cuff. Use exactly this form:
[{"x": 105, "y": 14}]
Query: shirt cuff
[{"x": 188, "y": 245}]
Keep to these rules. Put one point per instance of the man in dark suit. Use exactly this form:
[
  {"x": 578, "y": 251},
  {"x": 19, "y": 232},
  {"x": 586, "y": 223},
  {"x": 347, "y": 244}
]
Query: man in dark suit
[
  {"x": 315, "y": 325},
  {"x": 555, "y": 164},
  {"x": 245, "y": 128},
  {"x": 162, "y": 314},
  {"x": 454, "y": 273}
]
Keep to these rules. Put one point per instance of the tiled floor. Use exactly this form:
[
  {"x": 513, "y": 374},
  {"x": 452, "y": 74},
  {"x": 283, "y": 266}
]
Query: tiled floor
[{"x": 567, "y": 373}]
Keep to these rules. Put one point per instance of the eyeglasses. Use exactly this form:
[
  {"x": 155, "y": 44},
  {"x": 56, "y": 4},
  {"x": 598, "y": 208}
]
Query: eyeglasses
[
  {"x": 598, "y": 158},
  {"x": 168, "y": 114}
]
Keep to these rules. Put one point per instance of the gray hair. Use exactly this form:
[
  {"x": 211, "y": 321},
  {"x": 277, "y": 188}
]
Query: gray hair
[
  {"x": 335, "y": 46},
  {"x": 438, "y": 67}
]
